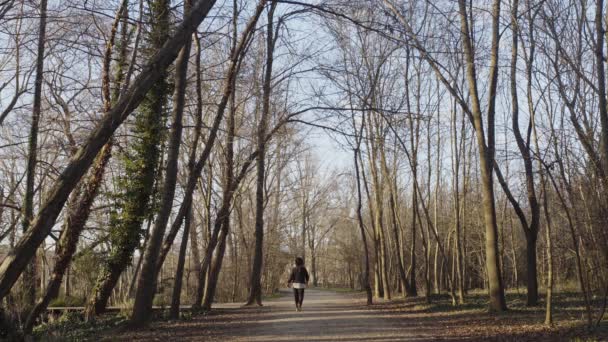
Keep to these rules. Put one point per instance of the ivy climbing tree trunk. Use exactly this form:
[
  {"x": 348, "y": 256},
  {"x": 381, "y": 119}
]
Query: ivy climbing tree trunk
[
  {"x": 141, "y": 165},
  {"x": 146, "y": 286}
]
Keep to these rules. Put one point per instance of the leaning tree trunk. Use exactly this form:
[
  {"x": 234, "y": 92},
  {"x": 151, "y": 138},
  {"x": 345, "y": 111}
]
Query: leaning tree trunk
[
  {"x": 69, "y": 238},
  {"x": 15, "y": 262},
  {"x": 228, "y": 190},
  {"x": 224, "y": 211}
]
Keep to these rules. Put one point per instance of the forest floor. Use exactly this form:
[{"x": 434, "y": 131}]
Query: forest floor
[{"x": 339, "y": 316}]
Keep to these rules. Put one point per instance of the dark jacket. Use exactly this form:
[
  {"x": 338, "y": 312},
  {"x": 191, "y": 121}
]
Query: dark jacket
[{"x": 299, "y": 274}]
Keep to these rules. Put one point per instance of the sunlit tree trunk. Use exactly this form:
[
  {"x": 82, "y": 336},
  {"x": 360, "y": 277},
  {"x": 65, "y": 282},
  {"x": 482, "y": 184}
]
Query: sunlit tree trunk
[{"x": 486, "y": 149}]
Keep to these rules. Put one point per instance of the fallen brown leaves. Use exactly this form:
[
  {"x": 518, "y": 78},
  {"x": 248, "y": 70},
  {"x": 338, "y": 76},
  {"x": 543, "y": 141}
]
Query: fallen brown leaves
[{"x": 473, "y": 322}]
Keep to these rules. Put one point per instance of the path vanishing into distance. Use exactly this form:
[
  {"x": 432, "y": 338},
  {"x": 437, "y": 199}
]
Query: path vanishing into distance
[
  {"x": 338, "y": 316},
  {"x": 326, "y": 316}
]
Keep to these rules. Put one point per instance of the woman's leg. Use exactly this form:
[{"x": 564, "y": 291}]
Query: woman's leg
[
  {"x": 301, "y": 296},
  {"x": 296, "y": 296}
]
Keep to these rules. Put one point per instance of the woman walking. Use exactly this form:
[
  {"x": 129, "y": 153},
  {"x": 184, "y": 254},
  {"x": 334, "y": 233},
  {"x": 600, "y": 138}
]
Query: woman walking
[{"x": 298, "y": 280}]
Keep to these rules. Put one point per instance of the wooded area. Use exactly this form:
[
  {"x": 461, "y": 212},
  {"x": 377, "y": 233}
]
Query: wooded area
[{"x": 162, "y": 153}]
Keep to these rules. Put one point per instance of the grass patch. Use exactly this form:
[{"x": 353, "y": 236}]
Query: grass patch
[
  {"x": 71, "y": 327},
  {"x": 67, "y": 302}
]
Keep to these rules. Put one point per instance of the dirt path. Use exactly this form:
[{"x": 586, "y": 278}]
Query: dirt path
[{"x": 326, "y": 316}]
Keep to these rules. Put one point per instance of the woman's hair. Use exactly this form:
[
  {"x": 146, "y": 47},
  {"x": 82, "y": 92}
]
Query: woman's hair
[{"x": 299, "y": 261}]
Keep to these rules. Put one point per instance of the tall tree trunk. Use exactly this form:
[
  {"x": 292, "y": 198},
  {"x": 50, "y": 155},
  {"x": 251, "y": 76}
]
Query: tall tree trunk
[
  {"x": 378, "y": 213},
  {"x": 548, "y": 230},
  {"x": 179, "y": 271},
  {"x": 486, "y": 150},
  {"x": 412, "y": 276},
  {"x": 146, "y": 286},
  {"x": 29, "y": 277},
  {"x": 600, "y": 31},
  {"x": 366, "y": 284},
  {"x": 378, "y": 290},
  {"x": 191, "y": 161},
  {"x": 530, "y": 229},
  {"x": 227, "y": 188},
  {"x": 392, "y": 180},
  {"x": 356, "y": 157},
  {"x": 457, "y": 204},
  {"x": 414, "y": 129}
]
